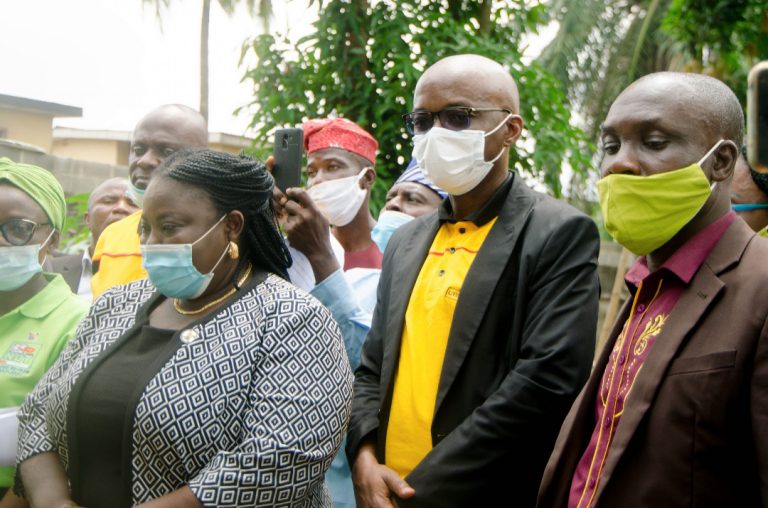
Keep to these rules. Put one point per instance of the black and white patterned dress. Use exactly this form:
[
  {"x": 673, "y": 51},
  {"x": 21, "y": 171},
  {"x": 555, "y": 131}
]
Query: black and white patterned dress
[{"x": 250, "y": 412}]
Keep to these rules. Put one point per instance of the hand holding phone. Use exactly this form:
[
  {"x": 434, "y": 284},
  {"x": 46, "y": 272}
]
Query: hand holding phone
[{"x": 288, "y": 152}]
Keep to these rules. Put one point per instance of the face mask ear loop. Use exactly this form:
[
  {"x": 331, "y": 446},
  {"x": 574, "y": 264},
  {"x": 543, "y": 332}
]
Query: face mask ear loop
[
  {"x": 499, "y": 126},
  {"x": 226, "y": 248},
  {"x": 44, "y": 243},
  {"x": 706, "y": 156},
  {"x": 494, "y": 130},
  {"x": 209, "y": 229},
  {"x": 206, "y": 234}
]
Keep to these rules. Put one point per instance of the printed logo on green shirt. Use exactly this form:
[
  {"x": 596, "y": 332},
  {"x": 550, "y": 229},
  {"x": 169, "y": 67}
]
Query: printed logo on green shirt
[{"x": 18, "y": 359}]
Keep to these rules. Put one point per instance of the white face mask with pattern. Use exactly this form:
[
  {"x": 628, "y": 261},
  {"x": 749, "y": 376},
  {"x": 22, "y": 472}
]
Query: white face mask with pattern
[{"x": 339, "y": 200}]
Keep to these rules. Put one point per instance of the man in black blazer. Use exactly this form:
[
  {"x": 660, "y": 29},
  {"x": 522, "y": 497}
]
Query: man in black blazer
[
  {"x": 109, "y": 202},
  {"x": 484, "y": 327}
]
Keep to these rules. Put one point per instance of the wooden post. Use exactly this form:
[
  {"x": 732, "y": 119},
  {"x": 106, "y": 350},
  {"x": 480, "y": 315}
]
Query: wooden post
[{"x": 613, "y": 303}]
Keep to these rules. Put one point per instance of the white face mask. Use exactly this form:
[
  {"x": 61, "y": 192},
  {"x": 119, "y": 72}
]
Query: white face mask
[
  {"x": 339, "y": 200},
  {"x": 454, "y": 160}
]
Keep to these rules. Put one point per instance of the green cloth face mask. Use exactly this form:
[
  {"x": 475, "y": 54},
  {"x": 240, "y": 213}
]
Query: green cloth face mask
[{"x": 644, "y": 213}]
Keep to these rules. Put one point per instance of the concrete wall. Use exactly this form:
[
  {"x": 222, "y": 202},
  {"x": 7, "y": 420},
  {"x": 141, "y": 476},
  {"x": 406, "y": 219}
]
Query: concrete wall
[
  {"x": 27, "y": 127},
  {"x": 106, "y": 151},
  {"x": 75, "y": 176},
  {"x": 234, "y": 150}
]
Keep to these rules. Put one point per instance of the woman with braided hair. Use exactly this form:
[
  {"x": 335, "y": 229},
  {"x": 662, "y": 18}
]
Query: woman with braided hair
[{"x": 214, "y": 383}]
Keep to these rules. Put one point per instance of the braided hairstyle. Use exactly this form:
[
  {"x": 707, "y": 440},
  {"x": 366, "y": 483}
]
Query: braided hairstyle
[{"x": 236, "y": 183}]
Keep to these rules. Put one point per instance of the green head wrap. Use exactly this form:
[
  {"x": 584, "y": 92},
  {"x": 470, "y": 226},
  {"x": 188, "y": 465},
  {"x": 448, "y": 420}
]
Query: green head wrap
[{"x": 40, "y": 185}]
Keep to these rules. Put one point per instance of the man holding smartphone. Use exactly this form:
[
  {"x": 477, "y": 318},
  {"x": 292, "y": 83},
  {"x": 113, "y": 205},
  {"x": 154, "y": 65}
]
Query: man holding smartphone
[{"x": 340, "y": 173}]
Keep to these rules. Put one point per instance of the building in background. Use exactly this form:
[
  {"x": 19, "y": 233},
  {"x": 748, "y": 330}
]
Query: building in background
[
  {"x": 31, "y": 121},
  {"x": 111, "y": 147}
]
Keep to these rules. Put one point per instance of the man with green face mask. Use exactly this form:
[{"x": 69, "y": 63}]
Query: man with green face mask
[{"x": 673, "y": 411}]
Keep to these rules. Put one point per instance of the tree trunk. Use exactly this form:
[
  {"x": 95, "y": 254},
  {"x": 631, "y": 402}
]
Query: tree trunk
[
  {"x": 205, "y": 21},
  {"x": 485, "y": 17}
]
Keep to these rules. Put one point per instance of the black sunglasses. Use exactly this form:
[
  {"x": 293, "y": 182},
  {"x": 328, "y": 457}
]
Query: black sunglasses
[
  {"x": 455, "y": 118},
  {"x": 19, "y": 232}
]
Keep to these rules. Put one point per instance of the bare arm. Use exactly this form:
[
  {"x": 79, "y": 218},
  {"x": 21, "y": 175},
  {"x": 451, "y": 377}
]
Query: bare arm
[
  {"x": 11, "y": 500},
  {"x": 45, "y": 482}
]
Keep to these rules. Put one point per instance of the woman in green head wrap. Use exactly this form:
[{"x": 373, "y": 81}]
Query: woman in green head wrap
[{"x": 38, "y": 312}]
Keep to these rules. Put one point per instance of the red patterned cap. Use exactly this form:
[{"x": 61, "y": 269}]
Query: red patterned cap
[{"x": 339, "y": 133}]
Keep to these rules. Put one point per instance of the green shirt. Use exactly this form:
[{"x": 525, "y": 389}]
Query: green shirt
[
  {"x": 31, "y": 337},
  {"x": 763, "y": 232}
]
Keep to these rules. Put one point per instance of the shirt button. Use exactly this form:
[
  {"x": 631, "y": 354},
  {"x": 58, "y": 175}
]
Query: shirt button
[
  {"x": 591, "y": 483},
  {"x": 462, "y": 231},
  {"x": 441, "y": 273},
  {"x": 452, "y": 250},
  {"x": 640, "y": 307},
  {"x": 607, "y": 423},
  {"x": 621, "y": 360}
]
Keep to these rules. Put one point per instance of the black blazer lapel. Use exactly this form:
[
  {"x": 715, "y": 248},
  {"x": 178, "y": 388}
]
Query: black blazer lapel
[
  {"x": 409, "y": 258},
  {"x": 481, "y": 281},
  {"x": 69, "y": 266}
]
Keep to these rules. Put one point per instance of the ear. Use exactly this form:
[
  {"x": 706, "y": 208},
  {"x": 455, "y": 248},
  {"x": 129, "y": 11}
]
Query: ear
[
  {"x": 234, "y": 224},
  {"x": 87, "y": 220},
  {"x": 367, "y": 178},
  {"x": 724, "y": 161},
  {"x": 514, "y": 129}
]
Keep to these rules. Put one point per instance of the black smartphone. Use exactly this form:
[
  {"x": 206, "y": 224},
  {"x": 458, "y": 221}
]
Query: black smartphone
[
  {"x": 288, "y": 152},
  {"x": 757, "y": 117}
]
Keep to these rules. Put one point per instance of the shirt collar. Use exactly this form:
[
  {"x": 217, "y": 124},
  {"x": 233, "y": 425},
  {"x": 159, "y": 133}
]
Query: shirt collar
[
  {"x": 86, "y": 262},
  {"x": 685, "y": 261},
  {"x": 485, "y": 213},
  {"x": 46, "y": 300}
]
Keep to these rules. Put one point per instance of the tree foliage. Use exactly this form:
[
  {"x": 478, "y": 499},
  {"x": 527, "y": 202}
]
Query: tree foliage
[
  {"x": 362, "y": 62},
  {"x": 604, "y": 45},
  {"x": 263, "y": 10},
  {"x": 723, "y": 38}
]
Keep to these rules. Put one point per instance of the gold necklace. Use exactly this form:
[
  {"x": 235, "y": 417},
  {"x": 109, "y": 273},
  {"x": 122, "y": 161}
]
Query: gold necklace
[{"x": 177, "y": 305}]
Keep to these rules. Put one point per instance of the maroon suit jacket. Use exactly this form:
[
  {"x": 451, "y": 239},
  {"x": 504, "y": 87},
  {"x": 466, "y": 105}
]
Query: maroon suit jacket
[{"x": 694, "y": 431}]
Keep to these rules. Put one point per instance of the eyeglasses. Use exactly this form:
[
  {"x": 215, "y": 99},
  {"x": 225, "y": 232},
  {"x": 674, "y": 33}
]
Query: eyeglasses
[
  {"x": 19, "y": 232},
  {"x": 453, "y": 118}
]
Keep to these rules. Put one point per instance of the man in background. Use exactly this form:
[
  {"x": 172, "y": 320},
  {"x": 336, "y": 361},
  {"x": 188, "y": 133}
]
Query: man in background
[
  {"x": 107, "y": 203},
  {"x": 340, "y": 173},
  {"x": 164, "y": 130},
  {"x": 749, "y": 194}
]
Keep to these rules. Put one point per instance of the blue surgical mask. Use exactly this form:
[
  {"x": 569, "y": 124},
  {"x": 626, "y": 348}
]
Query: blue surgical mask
[
  {"x": 18, "y": 264},
  {"x": 172, "y": 271},
  {"x": 135, "y": 194},
  {"x": 748, "y": 207},
  {"x": 388, "y": 222}
]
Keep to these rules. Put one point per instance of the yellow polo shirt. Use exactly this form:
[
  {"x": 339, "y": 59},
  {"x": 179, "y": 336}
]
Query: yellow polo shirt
[
  {"x": 118, "y": 253},
  {"x": 763, "y": 232},
  {"x": 425, "y": 337}
]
